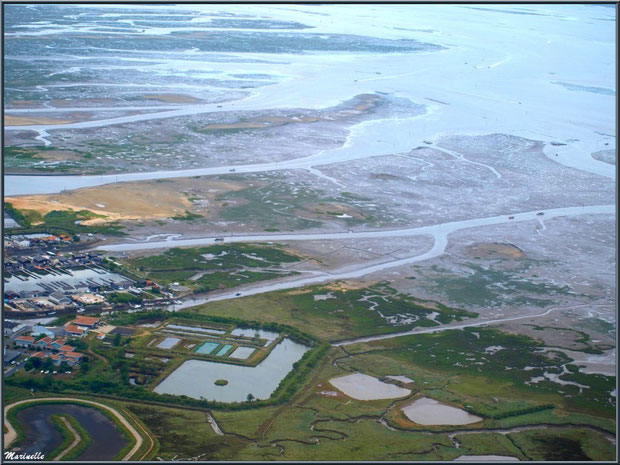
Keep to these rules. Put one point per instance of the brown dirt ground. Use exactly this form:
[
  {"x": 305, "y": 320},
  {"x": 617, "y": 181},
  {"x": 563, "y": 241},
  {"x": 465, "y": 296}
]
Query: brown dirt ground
[
  {"x": 58, "y": 155},
  {"x": 11, "y": 120},
  {"x": 22, "y": 103},
  {"x": 319, "y": 210},
  {"x": 130, "y": 200},
  {"x": 69, "y": 103},
  {"x": 347, "y": 285},
  {"x": 496, "y": 250}
]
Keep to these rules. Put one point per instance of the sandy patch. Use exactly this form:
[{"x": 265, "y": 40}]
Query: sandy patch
[
  {"x": 23, "y": 103},
  {"x": 57, "y": 155},
  {"x": 130, "y": 200},
  {"x": 299, "y": 291},
  {"x": 327, "y": 209},
  {"x": 425, "y": 411},
  {"x": 126, "y": 201},
  {"x": 171, "y": 98},
  {"x": 344, "y": 286},
  {"x": 10, "y": 120},
  {"x": 86, "y": 101},
  {"x": 496, "y": 250},
  {"x": 364, "y": 387},
  {"x": 105, "y": 329}
]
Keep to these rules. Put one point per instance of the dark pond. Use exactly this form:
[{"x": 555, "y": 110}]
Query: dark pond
[{"x": 41, "y": 436}]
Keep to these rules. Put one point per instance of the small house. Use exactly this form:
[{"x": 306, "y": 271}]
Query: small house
[{"x": 24, "y": 341}]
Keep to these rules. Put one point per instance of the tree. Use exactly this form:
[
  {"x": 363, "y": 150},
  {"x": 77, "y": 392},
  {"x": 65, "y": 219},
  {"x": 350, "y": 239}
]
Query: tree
[
  {"x": 250, "y": 397},
  {"x": 79, "y": 344},
  {"x": 47, "y": 382},
  {"x": 84, "y": 367},
  {"x": 32, "y": 362},
  {"x": 117, "y": 339},
  {"x": 48, "y": 364}
]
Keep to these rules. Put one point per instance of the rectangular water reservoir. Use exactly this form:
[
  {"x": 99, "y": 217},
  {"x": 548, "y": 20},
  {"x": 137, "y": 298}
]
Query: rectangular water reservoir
[{"x": 207, "y": 348}]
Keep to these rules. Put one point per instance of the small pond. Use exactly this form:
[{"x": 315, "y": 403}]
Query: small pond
[
  {"x": 363, "y": 387},
  {"x": 196, "y": 329},
  {"x": 168, "y": 343},
  {"x": 425, "y": 411},
  {"x": 207, "y": 348},
  {"x": 223, "y": 350},
  {"x": 242, "y": 352},
  {"x": 249, "y": 332}
]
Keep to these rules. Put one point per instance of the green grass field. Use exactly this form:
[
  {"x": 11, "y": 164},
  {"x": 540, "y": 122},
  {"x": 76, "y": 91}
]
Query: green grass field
[{"x": 345, "y": 314}]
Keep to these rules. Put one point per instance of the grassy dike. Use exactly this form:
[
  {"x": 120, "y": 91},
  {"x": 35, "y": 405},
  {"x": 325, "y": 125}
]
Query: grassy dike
[
  {"x": 150, "y": 444},
  {"x": 68, "y": 437}
]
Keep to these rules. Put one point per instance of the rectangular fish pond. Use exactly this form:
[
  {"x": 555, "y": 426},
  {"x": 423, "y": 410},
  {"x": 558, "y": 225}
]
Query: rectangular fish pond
[
  {"x": 196, "y": 378},
  {"x": 196, "y": 329},
  {"x": 168, "y": 343},
  {"x": 261, "y": 333},
  {"x": 242, "y": 353},
  {"x": 207, "y": 348},
  {"x": 223, "y": 350}
]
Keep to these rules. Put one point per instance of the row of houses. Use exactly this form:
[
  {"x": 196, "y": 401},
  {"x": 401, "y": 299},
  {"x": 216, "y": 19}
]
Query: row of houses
[
  {"x": 70, "y": 358},
  {"x": 57, "y": 350}
]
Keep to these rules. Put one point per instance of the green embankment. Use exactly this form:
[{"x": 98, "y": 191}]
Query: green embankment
[{"x": 68, "y": 437}]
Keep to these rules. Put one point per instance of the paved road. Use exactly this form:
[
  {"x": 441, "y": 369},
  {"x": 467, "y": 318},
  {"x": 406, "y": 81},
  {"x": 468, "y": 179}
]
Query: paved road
[
  {"x": 440, "y": 233},
  {"x": 440, "y": 229}
]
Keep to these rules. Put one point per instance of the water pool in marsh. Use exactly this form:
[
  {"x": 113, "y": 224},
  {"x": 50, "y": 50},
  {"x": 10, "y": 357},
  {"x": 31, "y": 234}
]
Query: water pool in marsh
[
  {"x": 196, "y": 378},
  {"x": 41, "y": 435}
]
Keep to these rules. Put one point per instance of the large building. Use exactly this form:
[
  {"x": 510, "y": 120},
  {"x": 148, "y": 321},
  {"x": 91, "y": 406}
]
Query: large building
[
  {"x": 75, "y": 331},
  {"x": 87, "y": 321}
]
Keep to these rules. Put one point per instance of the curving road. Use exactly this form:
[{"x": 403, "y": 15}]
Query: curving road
[
  {"x": 439, "y": 232},
  {"x": 11, "y": 434}
]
